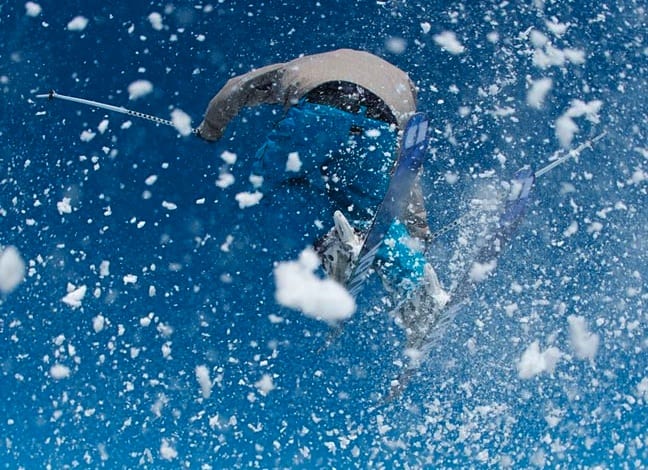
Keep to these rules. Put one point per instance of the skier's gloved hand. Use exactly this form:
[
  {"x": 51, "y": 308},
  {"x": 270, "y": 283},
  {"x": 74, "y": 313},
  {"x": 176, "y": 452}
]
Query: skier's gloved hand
[
  {"x": 339, "y": 248},
  {"x": 208, "y": 131}
]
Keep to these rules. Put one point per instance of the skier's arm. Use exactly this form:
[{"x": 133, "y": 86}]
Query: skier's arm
[{"x": 253, "y": 88}]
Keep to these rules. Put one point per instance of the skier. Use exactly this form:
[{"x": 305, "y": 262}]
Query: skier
[{"x": 338, "y": 137}]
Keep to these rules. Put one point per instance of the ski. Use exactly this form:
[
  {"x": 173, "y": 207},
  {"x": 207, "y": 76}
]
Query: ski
[
  {"x": 491, "y": 248},
  {"x": 410, "y": 159}
]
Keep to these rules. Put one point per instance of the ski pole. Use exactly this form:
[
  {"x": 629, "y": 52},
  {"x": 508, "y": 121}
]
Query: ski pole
[
  {"x": 546, "y": 169},
  {"x": 117, "y": 109}
]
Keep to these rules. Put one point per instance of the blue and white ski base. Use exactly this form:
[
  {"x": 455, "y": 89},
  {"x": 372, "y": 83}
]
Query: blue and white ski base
[{"x": 410, "y": 159}]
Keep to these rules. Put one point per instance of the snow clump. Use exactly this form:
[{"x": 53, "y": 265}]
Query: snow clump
[
  {"x": 448, "y": 41},
  {"x": 202, "y": 375},
  {"x": 293, "y": 163},
  {"x": 584, "y": 342},
  {"x": 538, "y": 91},
  {"x": 566, "y": 127},
  {"x": 247, "y": 199},
  {"x": 533, "y": 362},
  {"x": 181, "y": 121},
  {"x": 59, "y": 372},
  {"x": 78, "y": 23},
  {"x": 74, "y": 296},
  {"x": 33, "y": 9},
  {"x": 299, "y": 288},
  {"x": 12, "y": 269},
  {"x": 139, "y": 88}
]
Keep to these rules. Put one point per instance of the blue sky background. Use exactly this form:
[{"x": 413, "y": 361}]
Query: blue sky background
[{"x": 132, "y": 397}]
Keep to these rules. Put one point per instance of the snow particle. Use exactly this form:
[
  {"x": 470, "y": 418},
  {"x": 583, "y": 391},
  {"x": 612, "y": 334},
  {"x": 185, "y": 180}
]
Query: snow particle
[
  {"x": 247, "y": 199},
  {"x": 566, "y": 127},
  {"x": 584, "y": 342},
  {"x": 225, "y": 180},
  {"x": 538, "y": 91},
  {"x": 642, "y": 389},
  {"x": 167, "y": 451},
  {"x": 202, "y": 375},
  {"x": 98, "y": 323},
  {"x": 293, "y": 163},
  {"x": 59, "y": 372},
  {"x": 533, "y": 362},
  {"x": 139, "y": 88},
  {"x": 74, "y": 296},
  {"x": 228, "y": 157},
  {"x": 103, "y": 126},
  {"x": 265, "y": 384},
  {"x": 64, "y": 206},
  {"x": 448, "y": 41},
  {"x": 33, "y": 9},
  {"x": 87, "y": 135},
  {"x": 104, "y": 269},
  {"x": 78, "y": 23},
  {"x": 396, "y": 45},
  {"x": 156, "y": 21},
  {"x": 480, "y": 271},
  {"x": 12, "y": 269},
  {"x": 181, "y": 121},
  {"x": 130, "y": 279},
  {"x": 557, "y": 29},
  {"x": 299, "y": 288}
]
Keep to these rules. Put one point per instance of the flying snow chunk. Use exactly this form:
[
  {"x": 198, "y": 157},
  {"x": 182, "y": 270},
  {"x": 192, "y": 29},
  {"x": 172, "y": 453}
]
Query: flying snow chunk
[
  {"x": 538, "y": 91},
  {"x": 74, "y": 296},
  {"x": 33, "y": 9},
  {"x": 557, "y": 29},
  {"x": 426, "y": 27},
  {"x": 87, "y": 135},
  {"x": 538, "y": 39},
  {"x": 566, "y": 127},
  {"x": 78, "y": 23},
  {"x": 12, "y": 269},
  {"x": 64, "y": 206},
  {"x": 247, "y": 199},
  {"x": 298, "y": 287},
  {"x": 584, "y": 342},
  {"x": 533, "y": 362},
  {"x": 202, "y": 375},
  {"x": 167, "y": 451},
  {"x": 265, "y": 384},
  {"x": 396, "y": 45},
  {"x": 98, "y": 323},
  {"x": 228, "y": 157},
  {"x": 225, "y": 180},
  {"x": 129, "y": 279},
  {"x": 156, "y": 21},
  {"x": 139, "y": 88},
  {"x": 293, "y": 163},
  {"x": 59, "y": 372},
  {"x": 103, "y": 126},
  {"x": 448, "y": 41},
  {"x": 546, "y": 55},
  {"x": 642, "y": 388},
  {"x": 181, "y": 121},
  {"x": 480, "y": 271}
]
